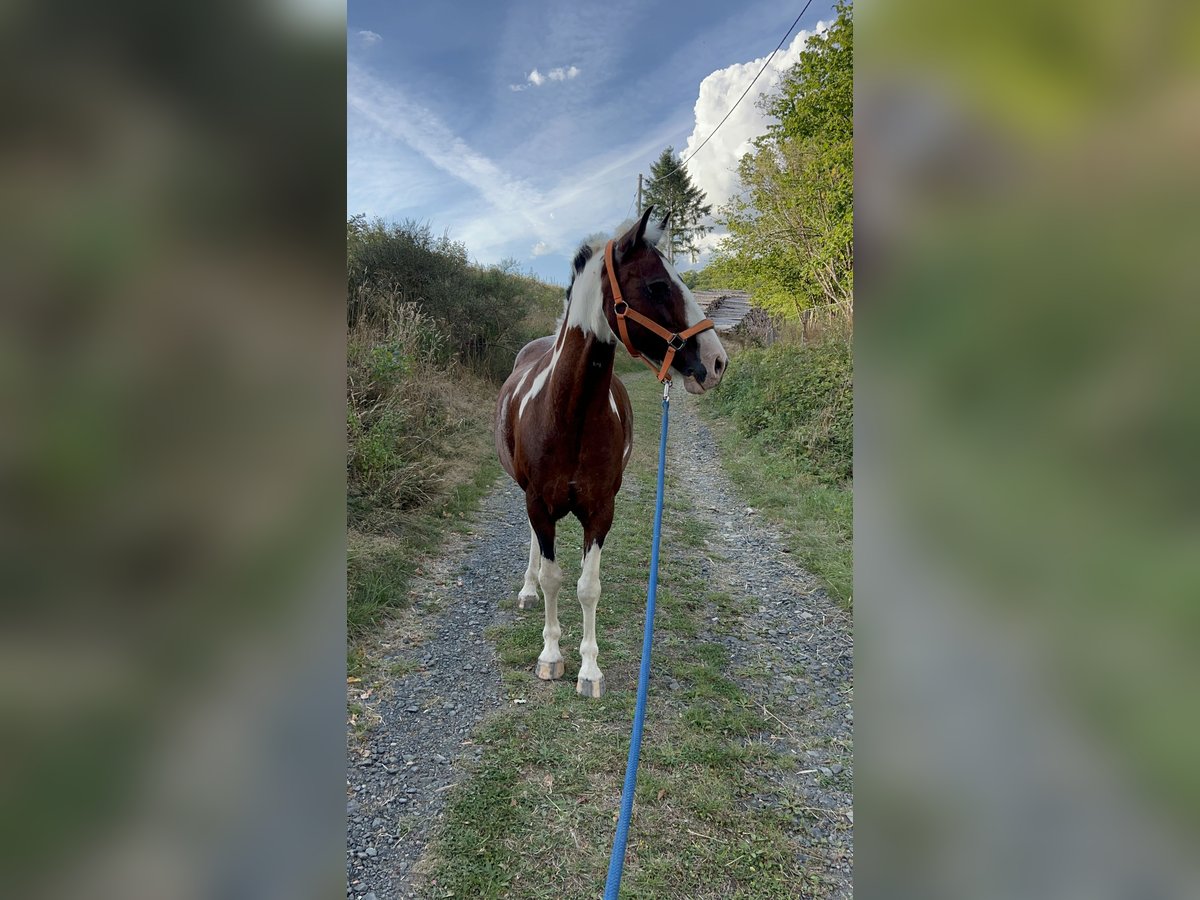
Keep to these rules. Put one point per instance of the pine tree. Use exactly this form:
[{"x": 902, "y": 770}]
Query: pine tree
[{"x": 670, "y": 188}]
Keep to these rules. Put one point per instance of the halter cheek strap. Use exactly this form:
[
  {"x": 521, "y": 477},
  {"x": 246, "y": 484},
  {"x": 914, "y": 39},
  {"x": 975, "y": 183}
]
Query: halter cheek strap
[{"x": 676, "y": 341}]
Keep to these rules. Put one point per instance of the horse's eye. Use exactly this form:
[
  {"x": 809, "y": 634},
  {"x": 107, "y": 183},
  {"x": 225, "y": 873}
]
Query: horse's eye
[{"x": 659, "y": 291}]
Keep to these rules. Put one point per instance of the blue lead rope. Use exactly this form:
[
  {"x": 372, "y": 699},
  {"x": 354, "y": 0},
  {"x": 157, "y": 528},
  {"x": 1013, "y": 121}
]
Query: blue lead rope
[{"x": 617, "y": 861}]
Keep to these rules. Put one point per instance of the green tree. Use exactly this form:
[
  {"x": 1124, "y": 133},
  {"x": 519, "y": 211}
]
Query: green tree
[
  {"x": 791, "y": 229},
  {"x": 670, "y": 189},
  {"x": 704, "y": 279}
]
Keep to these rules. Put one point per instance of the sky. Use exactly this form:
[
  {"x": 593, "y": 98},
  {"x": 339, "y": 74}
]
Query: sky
[{"x": 520, "y": 128}]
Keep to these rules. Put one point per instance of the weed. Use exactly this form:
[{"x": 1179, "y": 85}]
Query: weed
[{"x": 782, "y": 420}]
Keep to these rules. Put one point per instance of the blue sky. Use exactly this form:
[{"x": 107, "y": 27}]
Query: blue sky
[{"x": 521, "y": 127}]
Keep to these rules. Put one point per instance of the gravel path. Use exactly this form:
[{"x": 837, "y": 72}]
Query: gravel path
[
  {"x": 792, "y": 653},
  {"x": 399, "y": 776}
]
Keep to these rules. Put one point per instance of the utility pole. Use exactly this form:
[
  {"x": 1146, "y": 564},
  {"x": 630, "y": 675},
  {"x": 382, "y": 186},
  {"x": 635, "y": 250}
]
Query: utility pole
[{"x": 639, "y": 195}]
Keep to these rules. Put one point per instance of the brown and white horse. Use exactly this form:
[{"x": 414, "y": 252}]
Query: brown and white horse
[{"x": 563, "y": 420}]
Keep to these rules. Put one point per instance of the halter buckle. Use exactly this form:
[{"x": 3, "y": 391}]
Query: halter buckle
[{"x": 676, "y": 346}]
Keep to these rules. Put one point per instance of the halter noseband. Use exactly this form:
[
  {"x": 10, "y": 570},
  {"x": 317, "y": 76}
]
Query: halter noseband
[{"x": 622, "y": 310}]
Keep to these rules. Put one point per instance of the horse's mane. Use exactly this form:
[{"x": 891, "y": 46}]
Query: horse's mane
[
  {"x": 591, "y": 245},
  {"x": 593, "y": 249}
]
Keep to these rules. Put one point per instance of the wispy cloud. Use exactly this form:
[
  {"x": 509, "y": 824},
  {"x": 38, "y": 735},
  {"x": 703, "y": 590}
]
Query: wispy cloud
[
  {"x": 368, "y": 38},
  {"x": 391, "y": 112},
  {"x": 537, "y": 79},
  {"x": 506, "y": 215}
]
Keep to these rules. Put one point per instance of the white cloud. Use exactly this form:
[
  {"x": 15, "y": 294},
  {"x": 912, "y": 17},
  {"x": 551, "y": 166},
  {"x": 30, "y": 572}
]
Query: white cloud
[
  {"x": 369, "y": 38},
  {"x": 537, "y": 79},
  {"x": 541, "y": 248},
  {"x": 715, "y": 168}
]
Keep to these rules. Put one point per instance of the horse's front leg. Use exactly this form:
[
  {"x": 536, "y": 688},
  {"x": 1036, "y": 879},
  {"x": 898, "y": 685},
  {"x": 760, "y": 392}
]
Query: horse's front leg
[
  {"x": 550, "y": 665},
  {"x": 591, "y": 679}
]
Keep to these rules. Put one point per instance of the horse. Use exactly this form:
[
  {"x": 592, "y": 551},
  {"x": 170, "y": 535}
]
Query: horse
[{"x": 564, "y": 425}]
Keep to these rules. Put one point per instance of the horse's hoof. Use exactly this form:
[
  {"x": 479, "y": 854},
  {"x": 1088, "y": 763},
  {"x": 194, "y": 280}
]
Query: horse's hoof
[
  {"x": 527, "y": 601},
  {"x": 585, "y": 687},
  {"x": 550, "y": 671}
]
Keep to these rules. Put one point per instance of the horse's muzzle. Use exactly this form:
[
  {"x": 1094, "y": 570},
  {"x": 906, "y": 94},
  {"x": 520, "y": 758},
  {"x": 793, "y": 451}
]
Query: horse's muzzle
[{"x": 713, "y": 363}]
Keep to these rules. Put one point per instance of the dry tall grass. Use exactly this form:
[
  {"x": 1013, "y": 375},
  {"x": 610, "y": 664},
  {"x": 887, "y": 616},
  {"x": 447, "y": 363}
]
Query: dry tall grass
[{"x": 405, "y": 404}]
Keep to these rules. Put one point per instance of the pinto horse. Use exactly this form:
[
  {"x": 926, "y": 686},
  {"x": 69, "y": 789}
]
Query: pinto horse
[{"x": 563, "y": 420}]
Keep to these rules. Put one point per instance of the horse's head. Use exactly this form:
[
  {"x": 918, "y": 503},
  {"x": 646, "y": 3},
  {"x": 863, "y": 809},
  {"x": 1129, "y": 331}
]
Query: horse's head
[{"x": 651, "y": 286}]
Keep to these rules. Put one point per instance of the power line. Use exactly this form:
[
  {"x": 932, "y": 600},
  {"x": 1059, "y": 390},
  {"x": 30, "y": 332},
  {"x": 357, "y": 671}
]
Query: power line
[
  {"x": 684, "y": 162},
  {"x": 632, "y": 204}
]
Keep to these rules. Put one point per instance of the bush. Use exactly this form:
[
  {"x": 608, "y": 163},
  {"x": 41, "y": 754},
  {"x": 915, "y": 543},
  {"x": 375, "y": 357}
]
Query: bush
[
  {"x": 798, "y": 400},
  {"x": 485, "y": 314},
  {"x": 400, "y": 413}
]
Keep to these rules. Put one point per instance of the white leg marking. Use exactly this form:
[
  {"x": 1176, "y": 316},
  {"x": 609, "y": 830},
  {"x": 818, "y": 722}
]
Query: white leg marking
[
  {"x": 589, "y": 597},
  {"x": 528, "y": 597},
  {"x": 551, "y": 580}
]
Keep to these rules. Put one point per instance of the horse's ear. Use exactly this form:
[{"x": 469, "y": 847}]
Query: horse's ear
[
  {"x": 635, "y": 234},
  {"x": 657, "y": 228}
]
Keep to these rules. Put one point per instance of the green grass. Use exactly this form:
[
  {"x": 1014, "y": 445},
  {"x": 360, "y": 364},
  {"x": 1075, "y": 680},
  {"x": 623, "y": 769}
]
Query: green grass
[
  {"x": 817, "y": 519},
  {"x": 381, "y": 566},
  {"x": 536, "y": 817},
  {"x": 790, "y": 456}
]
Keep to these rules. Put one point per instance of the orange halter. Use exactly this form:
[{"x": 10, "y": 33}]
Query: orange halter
[{"x": 622, "y": 310}]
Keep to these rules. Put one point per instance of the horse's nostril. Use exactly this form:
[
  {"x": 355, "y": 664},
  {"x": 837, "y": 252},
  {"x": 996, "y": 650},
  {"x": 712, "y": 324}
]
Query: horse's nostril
[{"x": 717, "y": 366}]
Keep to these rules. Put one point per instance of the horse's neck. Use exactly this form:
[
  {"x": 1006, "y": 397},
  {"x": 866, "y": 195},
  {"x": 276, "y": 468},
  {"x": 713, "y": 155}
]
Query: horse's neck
[{"x": 582, "y": 375}]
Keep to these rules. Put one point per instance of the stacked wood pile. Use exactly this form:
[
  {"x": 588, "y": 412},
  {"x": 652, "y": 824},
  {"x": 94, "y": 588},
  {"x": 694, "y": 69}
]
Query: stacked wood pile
[{"x": 731, "y": 312}]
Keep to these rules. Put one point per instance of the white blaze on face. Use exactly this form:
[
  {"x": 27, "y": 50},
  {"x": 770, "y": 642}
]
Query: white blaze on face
[{"x": 712, "y": 354}]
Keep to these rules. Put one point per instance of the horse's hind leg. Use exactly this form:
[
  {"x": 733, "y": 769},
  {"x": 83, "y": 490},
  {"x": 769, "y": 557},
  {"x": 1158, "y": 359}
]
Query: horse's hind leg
[
  {"x": 550, "y": 664},
  {"x": 528, "y": 597}
]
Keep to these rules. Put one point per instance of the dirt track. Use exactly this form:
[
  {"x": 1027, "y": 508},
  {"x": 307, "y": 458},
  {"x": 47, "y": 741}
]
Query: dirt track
[{"x": 791, "y": 651}]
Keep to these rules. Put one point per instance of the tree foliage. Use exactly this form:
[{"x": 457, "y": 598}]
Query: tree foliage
[
  {"x": 670, "y": 188},
  {"x": 791, "y": 229}
]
